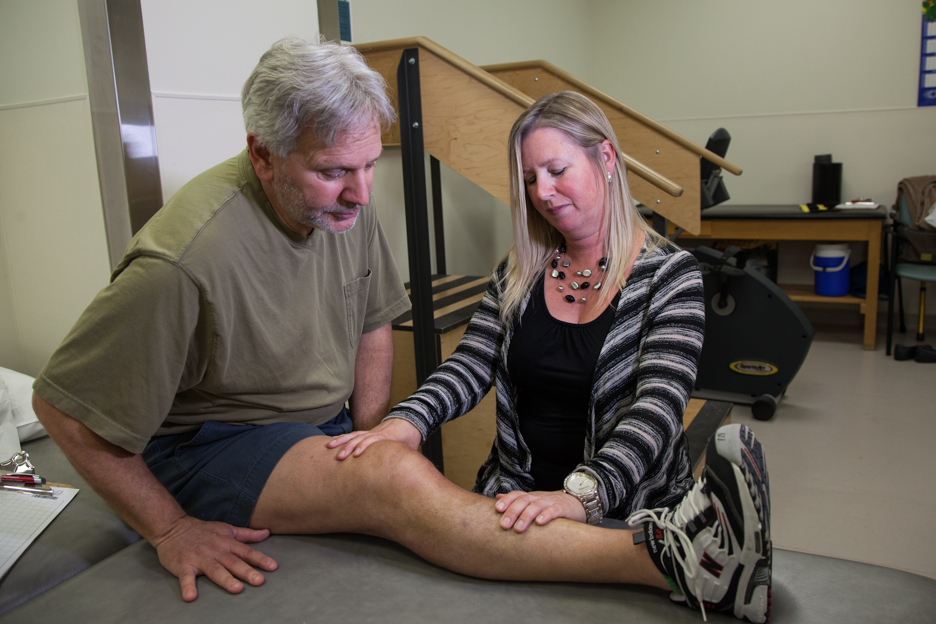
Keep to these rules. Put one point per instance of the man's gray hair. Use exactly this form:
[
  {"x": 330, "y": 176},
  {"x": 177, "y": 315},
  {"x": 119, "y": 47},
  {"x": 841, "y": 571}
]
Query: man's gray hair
[{"x": 298, "y": 83}]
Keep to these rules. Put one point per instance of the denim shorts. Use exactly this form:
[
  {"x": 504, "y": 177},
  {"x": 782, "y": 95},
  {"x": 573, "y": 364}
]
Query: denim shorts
[{"x": 218, "y": 471}]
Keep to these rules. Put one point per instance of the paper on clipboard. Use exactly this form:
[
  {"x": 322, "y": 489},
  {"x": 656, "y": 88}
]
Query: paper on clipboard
[{"x": 23, "y": 517}]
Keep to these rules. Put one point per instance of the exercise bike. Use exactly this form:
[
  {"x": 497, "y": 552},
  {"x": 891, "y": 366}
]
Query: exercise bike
[{"x": 756, "y": 338}]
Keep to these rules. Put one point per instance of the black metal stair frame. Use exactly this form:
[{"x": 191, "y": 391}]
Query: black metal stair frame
[{"x": 426, "y": 346}]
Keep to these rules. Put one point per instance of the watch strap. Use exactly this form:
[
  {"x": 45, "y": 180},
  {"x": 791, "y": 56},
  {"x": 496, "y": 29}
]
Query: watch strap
[{"x": 592, "y": 504}]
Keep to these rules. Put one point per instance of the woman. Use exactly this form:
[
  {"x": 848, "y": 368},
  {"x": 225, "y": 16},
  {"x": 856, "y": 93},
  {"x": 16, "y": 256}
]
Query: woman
[{"x": 590, "y": 331}]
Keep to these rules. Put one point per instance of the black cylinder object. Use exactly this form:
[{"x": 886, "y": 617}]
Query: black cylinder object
[{"x": 827, "y": 183}]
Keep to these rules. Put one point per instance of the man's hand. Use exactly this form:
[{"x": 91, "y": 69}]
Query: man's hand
[
  {"x": 356, "y": 442},
  {"x": 186, "y": 546},
  {"x": 192, "y": 547},
  {"x": 521, "y": 509}
]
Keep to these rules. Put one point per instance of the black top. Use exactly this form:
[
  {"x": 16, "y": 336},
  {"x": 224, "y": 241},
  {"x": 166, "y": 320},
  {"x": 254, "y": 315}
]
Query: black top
[{"x": 551, "y": 364}]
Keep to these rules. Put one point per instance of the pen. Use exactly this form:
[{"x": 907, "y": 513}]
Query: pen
[
  {"x": 42, "y": 490},
  {"x": 22, "y": 479}
]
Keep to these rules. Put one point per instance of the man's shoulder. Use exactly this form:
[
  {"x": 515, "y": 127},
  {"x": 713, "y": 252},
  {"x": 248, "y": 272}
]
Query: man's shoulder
[
  {"x": 212, "y": 182},
  {"x": 172, "y": 230}
]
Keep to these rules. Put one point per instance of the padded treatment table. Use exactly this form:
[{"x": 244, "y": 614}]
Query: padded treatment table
[
  {"x": 88, "y": 530},
  {"x": 94, "y": 568},
  {"x": 352, "y": 578},
  {"x": 92, "y": 532}
]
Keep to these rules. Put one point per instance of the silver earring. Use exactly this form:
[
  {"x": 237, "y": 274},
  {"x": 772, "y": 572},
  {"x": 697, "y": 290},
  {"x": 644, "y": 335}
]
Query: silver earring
[{"x": 609, "y": 177}]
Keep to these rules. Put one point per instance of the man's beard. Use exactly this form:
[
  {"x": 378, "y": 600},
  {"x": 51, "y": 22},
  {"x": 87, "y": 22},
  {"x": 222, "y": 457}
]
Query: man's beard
[{"x": 294, "y": 203}]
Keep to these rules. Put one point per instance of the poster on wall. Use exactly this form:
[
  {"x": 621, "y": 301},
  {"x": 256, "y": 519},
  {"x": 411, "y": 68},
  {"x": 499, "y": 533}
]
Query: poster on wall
[
  {"x": 927, "y": 84},
  {"x": 344, "y": 20}
]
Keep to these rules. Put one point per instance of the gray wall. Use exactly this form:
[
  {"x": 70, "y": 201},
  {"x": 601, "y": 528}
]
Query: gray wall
[
  {"x": 788, "y": 80},
  {"x": 53, "y": 252}
]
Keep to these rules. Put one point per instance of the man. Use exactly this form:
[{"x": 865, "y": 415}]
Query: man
[{"x": 198, "y": 392}]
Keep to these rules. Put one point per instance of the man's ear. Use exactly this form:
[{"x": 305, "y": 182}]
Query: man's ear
[{"x": 260, "y": 158}]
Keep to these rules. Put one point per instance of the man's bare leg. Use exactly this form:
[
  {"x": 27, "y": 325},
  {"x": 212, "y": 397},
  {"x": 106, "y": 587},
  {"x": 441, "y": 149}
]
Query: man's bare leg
[{"x": 395, "y": 493}]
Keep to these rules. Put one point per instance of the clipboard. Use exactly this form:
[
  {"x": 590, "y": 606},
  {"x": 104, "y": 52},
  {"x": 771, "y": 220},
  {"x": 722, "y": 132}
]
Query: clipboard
[{"x": 24, "y": 516}]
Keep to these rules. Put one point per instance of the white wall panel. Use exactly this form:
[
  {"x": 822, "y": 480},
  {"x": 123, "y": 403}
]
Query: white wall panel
[
  {"x": 478, "y": 227},
  {"x": 53, "y": 226},
  {"x": 789, "y": 81},
  {"x": 9, "y": 337},
  {"x": 485, "y": 32},
  {"x": 387, "y": 198},
  {"x": 53, "y": 256},
  {"x": 194, "y": 134},
  {"x": 877, "y": 149},
  {"x": 40, "y": 51},
  {"x": 210, "y": 46},
  {"x": 199, "y": 55},
  {"x": 677, "y": 59}
]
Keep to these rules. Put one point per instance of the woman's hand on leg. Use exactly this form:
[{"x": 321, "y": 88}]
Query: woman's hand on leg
[
  {"x": 521, "y": 509},
  {"x": 397, "y": 429}
]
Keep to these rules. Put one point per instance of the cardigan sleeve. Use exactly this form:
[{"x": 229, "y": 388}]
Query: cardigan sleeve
[
  {"x": 460, "y": 383},
  {"x": 641, "y": 458}
]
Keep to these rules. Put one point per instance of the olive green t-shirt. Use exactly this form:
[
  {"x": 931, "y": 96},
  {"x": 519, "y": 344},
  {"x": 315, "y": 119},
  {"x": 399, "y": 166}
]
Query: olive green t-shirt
[{"x": 219, "y": 312}]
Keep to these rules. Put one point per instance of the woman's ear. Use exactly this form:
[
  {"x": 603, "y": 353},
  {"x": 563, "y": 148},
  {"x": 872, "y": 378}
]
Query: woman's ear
[{"x": 608, "y": 155}]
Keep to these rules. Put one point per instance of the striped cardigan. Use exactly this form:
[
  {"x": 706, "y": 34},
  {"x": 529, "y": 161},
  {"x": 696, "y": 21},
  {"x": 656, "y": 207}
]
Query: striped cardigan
[{"x": 634, "y": 445}]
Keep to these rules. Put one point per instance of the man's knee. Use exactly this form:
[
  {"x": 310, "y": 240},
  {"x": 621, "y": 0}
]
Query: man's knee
[
  {"x": 390, "y": 468},
  {"x": 392, "y": 458}
]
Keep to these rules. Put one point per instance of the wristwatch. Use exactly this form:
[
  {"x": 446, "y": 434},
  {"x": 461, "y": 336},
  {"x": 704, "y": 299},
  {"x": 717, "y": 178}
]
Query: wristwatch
[{"x": 583, "y": 486}]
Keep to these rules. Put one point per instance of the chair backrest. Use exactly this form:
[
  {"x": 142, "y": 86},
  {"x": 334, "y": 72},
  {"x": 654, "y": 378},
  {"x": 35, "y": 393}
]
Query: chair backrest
[
  {"x": 914, "y": 245},
  {"x": 713, "y": 190},
  {"x": 903, "y": 213},
  {"x": 915, "y": 197}
]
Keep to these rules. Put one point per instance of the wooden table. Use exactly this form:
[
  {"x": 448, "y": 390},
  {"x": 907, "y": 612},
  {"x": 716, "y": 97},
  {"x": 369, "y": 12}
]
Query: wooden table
[{"x": 789, "y": 222}]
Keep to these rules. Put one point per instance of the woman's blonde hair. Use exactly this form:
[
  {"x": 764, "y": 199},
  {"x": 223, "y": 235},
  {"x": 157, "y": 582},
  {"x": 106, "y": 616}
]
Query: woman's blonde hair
[{"x": 535, "y": 240}]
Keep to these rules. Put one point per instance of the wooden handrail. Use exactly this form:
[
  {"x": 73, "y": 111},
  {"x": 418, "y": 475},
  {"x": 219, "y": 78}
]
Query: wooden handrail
[
  {"x": 627, "y": 110},
  {"x": 661, "y": 182},
  {"x": 523, "y": 100},
  {"x": 453, "y": 59}
]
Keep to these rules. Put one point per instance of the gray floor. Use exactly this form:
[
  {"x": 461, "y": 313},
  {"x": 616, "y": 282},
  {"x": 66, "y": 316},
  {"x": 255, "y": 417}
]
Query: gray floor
[{"x": 849, "y": 450}]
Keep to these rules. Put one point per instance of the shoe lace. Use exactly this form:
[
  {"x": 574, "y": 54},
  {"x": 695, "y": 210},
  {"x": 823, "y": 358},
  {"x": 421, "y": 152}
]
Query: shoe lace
[{"x": 672, "y": 523}]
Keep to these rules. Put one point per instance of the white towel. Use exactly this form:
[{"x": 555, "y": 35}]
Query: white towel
[
  {"x": 9, "y": 440},
  {"x": 19, "y": 387},
  {"x": 931, "y": 215}
]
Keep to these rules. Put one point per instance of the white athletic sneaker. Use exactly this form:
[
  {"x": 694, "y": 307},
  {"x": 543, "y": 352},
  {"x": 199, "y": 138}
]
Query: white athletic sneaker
[{"x": 714, "y": 547}]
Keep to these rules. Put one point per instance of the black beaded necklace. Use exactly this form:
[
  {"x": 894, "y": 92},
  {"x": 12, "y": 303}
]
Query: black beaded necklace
[{"x": 559, "y": 274}]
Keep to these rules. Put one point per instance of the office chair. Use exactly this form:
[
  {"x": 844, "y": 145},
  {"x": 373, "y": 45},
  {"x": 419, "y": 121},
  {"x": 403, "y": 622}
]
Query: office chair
[
  {"x": 901, "y": 268},
  {"x": 713, "y": 189}
]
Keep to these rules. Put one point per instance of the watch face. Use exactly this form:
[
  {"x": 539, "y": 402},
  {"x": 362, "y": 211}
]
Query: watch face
[{"x": 581, "y": 483}]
